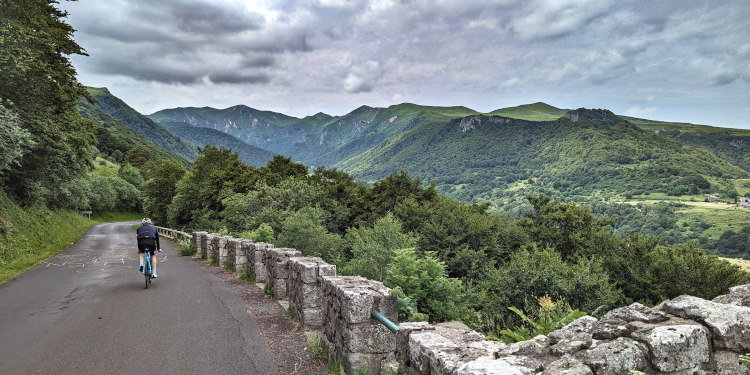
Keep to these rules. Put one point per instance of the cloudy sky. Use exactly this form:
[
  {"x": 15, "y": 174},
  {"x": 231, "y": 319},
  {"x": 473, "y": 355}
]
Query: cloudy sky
[{"x": 675, "y": 60}]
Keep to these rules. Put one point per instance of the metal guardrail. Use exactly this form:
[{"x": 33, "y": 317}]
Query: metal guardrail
[{"x": 172, "y": 234}]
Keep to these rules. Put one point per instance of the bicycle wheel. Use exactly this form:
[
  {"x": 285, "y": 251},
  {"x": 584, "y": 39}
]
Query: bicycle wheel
[{"x": 148, "y": 279}]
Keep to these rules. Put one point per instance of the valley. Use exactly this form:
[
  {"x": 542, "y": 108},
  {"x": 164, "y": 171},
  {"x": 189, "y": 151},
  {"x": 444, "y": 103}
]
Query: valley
[{"x": 591, "y": 157}]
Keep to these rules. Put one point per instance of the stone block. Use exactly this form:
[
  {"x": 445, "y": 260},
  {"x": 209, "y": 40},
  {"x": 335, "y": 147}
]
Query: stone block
[
  {"x": 616, "y": 357},
  {"x": 674, "y": 348},
  {"x": 505, "y": 366},
  {"x": 738, "y": 296},
  {"x": 260, "y": 272},
  {"x": 567, "y": 366},
  {"x": 422, "y": 345},
  {"x": 312, "y": 318},
  {"x": 582, "y": 324},
  {"x": 404, "y": 330},
  {"x": 729, "y": 324},
  {"x": 369, "y": 338},
  {"x": 610, "y": 329},
  {"x": 637, "y": 312}
]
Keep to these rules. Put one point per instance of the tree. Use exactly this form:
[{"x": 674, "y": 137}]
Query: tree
[
  {"x": 39, "y": 84},
  {"x": 138, "y": 156},
  {"x": 14, "y": 140},
  {"x": 373, "y": 248},
  {"x": 160, "y": 189},
  {"x": 303, "y": 230},
  {"x": 570, "y": 229},
  {"x": 131, "y": 174}
]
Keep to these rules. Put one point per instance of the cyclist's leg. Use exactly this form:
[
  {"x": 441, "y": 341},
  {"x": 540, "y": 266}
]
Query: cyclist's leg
[
  {"x": 153, "y": 260},
  {"x": 141, "y": 254}
]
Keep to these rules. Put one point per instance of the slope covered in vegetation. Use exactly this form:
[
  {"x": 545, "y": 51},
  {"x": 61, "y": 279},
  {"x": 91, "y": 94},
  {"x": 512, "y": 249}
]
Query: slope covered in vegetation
[
  {"x": 123, "y": 113},
  {"x": 249, "y": 154},
  {"x": 480, "y": 157}
]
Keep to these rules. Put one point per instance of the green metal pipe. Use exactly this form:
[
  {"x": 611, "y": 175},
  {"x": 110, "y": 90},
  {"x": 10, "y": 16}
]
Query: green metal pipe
[{"x": 387, "y": 323}]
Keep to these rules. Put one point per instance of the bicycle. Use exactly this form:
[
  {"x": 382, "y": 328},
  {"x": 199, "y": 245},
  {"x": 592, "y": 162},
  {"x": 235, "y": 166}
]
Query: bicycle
[{"x": 147, "y": 267}]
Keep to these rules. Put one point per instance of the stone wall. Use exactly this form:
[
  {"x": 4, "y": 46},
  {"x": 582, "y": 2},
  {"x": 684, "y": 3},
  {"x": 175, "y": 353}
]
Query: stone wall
[
  {"x": 305, "y": 289},
  {"x": 686, "y": 335},
  {"x": 223, "y": 250},
  {"x": 277, "y": 269},
  {"x": 199, "y": 238},
  {"x": 256, "y": 255},
  {"x": 240, "y": 257},
  {"x": 349, "y": 332}
]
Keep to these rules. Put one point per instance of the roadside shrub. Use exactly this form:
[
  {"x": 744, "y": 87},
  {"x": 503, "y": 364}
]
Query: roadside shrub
[
  {"x": 304, "y": 231},
  {"x": 373, "y": 248},
  {"x": 424, "y": 280}
]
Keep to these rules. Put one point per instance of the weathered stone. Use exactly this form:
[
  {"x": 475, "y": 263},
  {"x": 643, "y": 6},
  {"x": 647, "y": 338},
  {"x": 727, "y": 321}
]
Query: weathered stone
[
  {"x": 675, "y": 348},
  {"x": 616, "y": 357},
  {"x": 637, "y": 312},
  {"x": 312, "y": 318},
  {"x": 458, "y": 332},
  {"x": 402, "y": 336},
  {"x": 582, "y": 324},
  {"x": 388, "y": 365},
  {"x": 572, "y": 344},
  {"x": 738, "y": 296},
  {"x": 567, "y": 366},
  {"x": 610, "y": 329},
  {"x": 537, "y": 347},
  {"x": 729, "y": 324},
  {"x": 725, "y": 362},
  {"x": 369, "y": 338},
  {"x": 422, "y": 344},
  {"x": 503, "y": 366}
]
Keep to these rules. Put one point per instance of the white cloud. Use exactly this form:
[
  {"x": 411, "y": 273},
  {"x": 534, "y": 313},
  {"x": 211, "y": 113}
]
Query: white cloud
[
  {"x": 511, "y": 82},
  {"x": 638, "y": 111}
]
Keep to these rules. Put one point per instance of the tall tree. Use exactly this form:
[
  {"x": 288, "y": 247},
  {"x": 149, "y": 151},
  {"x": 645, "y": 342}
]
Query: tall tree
[{"x": 39, "y": 84}]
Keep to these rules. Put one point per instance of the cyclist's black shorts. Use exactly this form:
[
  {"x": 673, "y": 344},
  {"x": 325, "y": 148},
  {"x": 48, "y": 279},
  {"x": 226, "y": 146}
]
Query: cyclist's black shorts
[{"x": 150, "y": 248}]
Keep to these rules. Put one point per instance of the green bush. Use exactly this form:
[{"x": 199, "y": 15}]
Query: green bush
[
  {"x": 532, "y": 273},
  {"x": 424, "y": 280},
  {"x": 373, "y": 248},
  {"x": 303, "y": 230}
]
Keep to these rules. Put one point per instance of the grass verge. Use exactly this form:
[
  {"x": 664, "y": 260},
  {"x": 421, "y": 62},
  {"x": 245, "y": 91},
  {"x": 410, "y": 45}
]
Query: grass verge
[{"x": 32, "y": 235}]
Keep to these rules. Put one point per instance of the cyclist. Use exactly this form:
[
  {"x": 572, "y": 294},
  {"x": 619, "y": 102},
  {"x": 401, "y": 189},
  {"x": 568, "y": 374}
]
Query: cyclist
[{"x": 148, "y": 239}]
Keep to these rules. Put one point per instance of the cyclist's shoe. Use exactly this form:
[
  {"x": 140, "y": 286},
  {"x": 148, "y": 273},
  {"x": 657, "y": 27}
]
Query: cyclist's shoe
[
  {"x": 141, "y": 268},
  {"x": 153, "y": 275}
]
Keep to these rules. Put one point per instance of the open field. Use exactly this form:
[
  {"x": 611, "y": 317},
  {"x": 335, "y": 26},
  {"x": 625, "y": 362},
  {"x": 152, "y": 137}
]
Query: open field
[{"x": 744, "y": 264}]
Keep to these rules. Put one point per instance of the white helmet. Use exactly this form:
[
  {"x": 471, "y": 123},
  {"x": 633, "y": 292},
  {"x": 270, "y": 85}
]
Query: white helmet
[{"x": 146, "y": 221}]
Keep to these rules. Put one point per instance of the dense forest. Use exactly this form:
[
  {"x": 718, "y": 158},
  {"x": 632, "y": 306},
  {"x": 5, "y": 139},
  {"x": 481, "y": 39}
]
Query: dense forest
[{"x": 449, "y": 260}]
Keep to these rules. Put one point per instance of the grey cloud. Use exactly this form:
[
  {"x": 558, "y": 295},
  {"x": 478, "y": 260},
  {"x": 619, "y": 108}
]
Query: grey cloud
[
  {"x": 237, "y": 77},
  {"x": 257, "y": 61},
  {"x": 209, "y": 19}
]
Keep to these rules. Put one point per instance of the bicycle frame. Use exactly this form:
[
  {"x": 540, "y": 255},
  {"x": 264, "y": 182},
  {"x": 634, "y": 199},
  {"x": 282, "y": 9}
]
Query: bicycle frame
[{"x": 147, "y": 266}]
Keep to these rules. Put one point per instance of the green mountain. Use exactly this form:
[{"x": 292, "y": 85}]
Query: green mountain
[
  {"x": 533, "y": 112},
  {"x": 268, "y": 130},
  {"x": 249, "y": 154},
  {"x": 315, "y": 140},
  {"x": 732, "y": 145},
  {"x": 585, "y": 151},
  {"x": 112, "y": 135},
  {"x": 140, "y": 124}
]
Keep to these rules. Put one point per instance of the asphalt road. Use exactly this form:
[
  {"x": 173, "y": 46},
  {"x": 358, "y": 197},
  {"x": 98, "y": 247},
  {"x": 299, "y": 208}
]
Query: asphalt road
[{"x": 86, "y": 311}]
